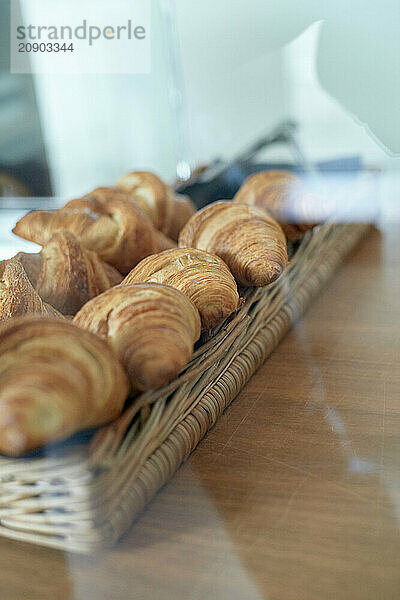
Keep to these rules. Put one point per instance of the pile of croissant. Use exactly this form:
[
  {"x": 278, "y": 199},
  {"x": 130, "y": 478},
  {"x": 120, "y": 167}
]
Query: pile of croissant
[{"x": 127, "y": 280}]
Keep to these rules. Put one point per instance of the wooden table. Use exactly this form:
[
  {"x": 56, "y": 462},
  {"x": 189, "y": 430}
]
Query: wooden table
[{"x": 296, "y": 492}]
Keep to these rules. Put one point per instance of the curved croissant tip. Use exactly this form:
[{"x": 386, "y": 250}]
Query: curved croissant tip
[
  {"x": 14, "y": 442},
  {"x": 262, "y": 273},
  {"x": 274, "y": 271},
  {"x": 154, "y": 373}
]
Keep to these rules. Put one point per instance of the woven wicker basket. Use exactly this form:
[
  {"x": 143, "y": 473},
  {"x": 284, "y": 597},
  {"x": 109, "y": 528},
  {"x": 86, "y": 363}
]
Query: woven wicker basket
[{"x": 84, "y": 495}]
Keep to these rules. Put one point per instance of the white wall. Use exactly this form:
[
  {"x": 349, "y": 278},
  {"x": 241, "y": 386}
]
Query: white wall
[
  {"x": 232, "y": 81},
  {"x": 98, "y": 127},
  {"x": 328, "y": 130}
]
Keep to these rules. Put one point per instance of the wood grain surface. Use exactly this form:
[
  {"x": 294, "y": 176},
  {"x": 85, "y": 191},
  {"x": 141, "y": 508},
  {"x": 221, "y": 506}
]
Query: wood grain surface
[{"x": 295, "y": 494}]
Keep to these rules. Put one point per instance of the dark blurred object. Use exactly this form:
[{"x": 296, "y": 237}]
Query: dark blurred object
[
  {"x": 221, "y": 180},
  {"x": 22, "y": 150},
  {"x": 9, "y": 186},
  {"x": 32, "y": 174}
]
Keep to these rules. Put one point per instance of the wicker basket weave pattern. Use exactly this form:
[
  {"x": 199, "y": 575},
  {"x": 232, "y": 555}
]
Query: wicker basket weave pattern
[{"x": 87, "y": 497}]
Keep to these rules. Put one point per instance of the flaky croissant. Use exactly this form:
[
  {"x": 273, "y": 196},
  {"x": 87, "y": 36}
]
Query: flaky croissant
[
  {"x": 17, "y": 295},
  {"x": 248, "y": 239},
  {"x": 201, "y": 276},
  {"x": 151, "y": 327},
  {"x": 104, "y": 221},
  {"x": 168, "y": 211},
  {"x": 55, "y": 379},
  {"x": 283, "y": 194},
  {"x": 66, "y": 275}
]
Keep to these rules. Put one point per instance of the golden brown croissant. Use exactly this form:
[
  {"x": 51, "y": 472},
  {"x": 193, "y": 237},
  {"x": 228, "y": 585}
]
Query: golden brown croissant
[
  {"x": 17, "y": 295},
  {"x": 203, "y": 277},
  {"x": 248, "y": 239},
  {"x": 55, "y": 379},
  {"x": 281, "y": 193},
  {"x": 66, "y": 275},
  {"x": 168, "y": 211},
  {"x": 104, "y": 221},
  {"x": 151, "y": 327},
  {"x": 32, "y": 264}
]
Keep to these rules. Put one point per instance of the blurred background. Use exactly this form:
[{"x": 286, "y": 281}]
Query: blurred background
[
  {"x": 223, "y": 75},
  {"x": 238, "y": 86}
]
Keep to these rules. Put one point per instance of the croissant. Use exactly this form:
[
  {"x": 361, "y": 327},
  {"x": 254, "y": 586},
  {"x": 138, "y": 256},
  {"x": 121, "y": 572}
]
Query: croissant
[
  {"x": 151, "y": 327},
  {"x": 104, "y": 221},
  {"x": 66, "y": 275},
  {"x": 55, "y": 379},
  {"x": 203, "y": 277},
  {"x": 32, "y": 264},
  {"x": 248, "y": 239},
  {"x": 168, "y": 211},
  {"x": 17, "y": 295},
  {"x": 281, "y": 193}
]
